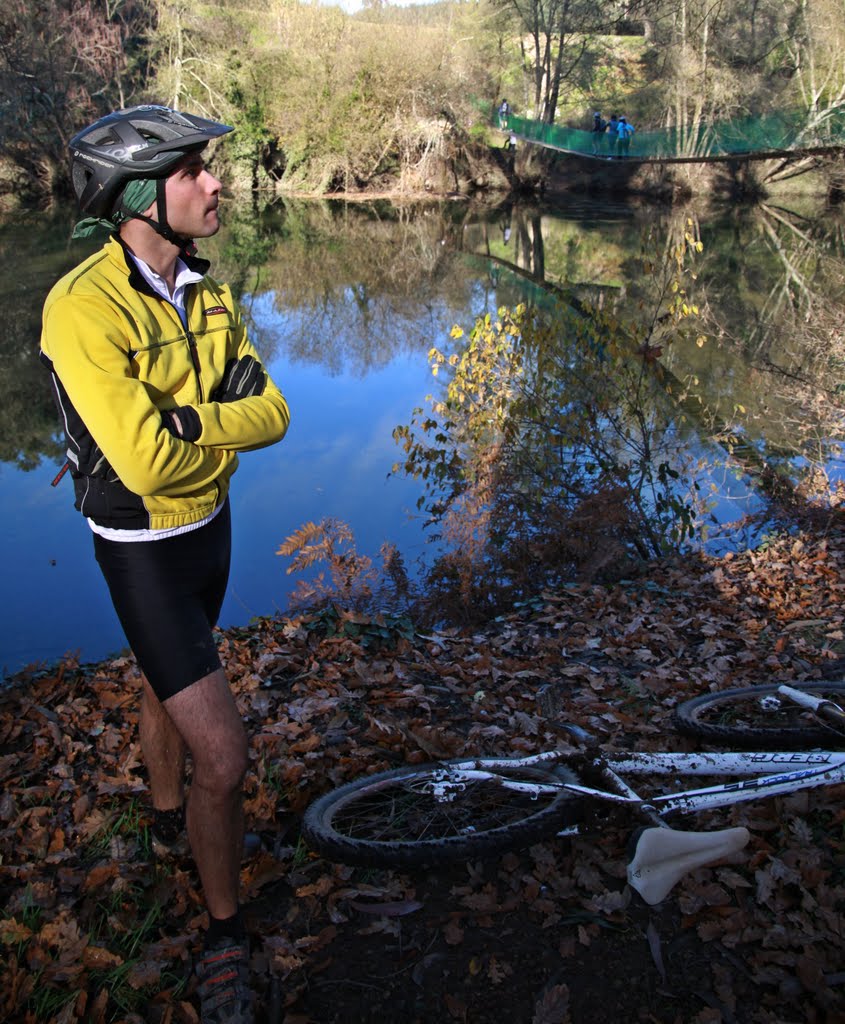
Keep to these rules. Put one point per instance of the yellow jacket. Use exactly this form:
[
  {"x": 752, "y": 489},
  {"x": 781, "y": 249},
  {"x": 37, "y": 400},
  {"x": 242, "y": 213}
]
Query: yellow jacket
[{"x": 119, "y": 355}]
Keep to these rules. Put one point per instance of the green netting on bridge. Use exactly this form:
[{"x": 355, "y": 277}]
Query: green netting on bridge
[{"x": 743, "y": 136}]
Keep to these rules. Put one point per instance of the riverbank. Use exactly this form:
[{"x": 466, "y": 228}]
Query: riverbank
[
  {"x": 93, "y": 930},
  {"x": 489, "y": 175}
]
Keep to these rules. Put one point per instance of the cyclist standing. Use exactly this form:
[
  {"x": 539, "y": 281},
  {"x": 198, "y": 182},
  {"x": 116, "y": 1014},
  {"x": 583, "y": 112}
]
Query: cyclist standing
[{"x": 159, "y": 388}]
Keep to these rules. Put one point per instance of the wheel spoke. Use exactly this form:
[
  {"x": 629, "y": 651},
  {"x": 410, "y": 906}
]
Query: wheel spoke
[
  {"x": 400, "y": 818},
  {"x": 760, "y": 715},
  {"x": 402, "y": 813}
]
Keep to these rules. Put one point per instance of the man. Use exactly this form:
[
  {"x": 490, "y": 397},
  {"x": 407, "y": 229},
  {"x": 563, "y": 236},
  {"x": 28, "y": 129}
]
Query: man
[
  {"x": 159, "y": 388},
  {"x": 599, "y": 125},
  {"x": 504, "y": 110}
]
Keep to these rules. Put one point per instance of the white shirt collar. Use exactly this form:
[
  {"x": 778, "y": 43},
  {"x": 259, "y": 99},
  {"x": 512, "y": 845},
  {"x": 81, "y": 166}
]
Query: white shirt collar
[{"x": 184, "y": 277}]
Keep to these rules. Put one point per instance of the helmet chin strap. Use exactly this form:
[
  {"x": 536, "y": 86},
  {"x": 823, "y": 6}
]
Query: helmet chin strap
[{"x": 160, "y": 226}]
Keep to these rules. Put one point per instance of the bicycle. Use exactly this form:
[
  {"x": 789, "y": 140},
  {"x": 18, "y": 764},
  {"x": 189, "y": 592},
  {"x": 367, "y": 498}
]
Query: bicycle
[{"x": 475, "y": 807}]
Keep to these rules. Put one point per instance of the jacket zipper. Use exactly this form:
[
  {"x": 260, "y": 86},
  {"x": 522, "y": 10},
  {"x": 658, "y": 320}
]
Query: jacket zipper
[
  {"x": 195, "y": 359},
  {"x": 192, "y": 342}
]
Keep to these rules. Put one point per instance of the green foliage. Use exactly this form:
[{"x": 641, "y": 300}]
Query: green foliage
[
  {"x": 323, "y": 101},
  {"x": 373, "y": 632},
  {"x": 247, "y": 102},
  {"x": 339, "y": 101},
  {"x": 123, "y": 823},
  {"x": 29, "y": 422}
]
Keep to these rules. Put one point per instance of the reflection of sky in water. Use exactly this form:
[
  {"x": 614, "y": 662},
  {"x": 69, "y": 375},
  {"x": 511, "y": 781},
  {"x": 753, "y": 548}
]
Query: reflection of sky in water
[
  {"x": 334, "y": 462},
  {"x": 348, "y": 334}
]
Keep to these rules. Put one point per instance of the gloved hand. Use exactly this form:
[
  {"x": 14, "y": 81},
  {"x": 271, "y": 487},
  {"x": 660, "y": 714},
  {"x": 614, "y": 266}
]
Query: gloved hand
[
  {"x": 242, "y": 378},
  {"x": 182, "y": 421}
]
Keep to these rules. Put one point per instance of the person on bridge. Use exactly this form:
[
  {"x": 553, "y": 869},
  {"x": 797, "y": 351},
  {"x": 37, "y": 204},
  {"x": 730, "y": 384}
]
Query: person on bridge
[
  {"x": 613, "y": 134},
  {"x": 159, "y": 388},
  {"x": 624, "y": 131},
  {"x": 504, "y": 110},
  {"x": 597, "y": 131}
]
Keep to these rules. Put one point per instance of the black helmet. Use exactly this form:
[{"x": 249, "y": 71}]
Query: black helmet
[{"x": 140, "y": 142}]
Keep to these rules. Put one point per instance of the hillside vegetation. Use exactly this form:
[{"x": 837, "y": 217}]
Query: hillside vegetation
[{"x": 398, "y": 98}]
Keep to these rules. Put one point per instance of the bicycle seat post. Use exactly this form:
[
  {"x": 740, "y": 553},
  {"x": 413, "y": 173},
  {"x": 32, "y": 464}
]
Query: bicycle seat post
[{"x": 619, "y": 785}]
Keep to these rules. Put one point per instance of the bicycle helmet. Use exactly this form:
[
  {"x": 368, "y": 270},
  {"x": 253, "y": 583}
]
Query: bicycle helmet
[{"x": 144, "y": 142}]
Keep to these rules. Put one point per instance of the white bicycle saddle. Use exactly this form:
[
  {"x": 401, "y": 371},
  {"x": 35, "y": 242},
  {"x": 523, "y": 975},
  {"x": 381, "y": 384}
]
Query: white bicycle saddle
[{"x": 663, "y": 856}]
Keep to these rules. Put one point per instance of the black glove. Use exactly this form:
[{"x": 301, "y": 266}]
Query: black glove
[
  {"x": 242, "y": 378},
  {"x": 183, "y": 422}
]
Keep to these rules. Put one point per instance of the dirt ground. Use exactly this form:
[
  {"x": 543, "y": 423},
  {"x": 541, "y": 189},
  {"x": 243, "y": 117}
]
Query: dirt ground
[{"x": 524, "y": 961}]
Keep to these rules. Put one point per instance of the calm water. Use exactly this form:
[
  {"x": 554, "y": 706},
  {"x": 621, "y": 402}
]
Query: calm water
[{"x": 345, "y": 302}]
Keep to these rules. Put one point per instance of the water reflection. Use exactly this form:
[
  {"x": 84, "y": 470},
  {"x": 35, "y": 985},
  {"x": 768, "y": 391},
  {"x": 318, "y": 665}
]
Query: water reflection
[{"x": 346, "y": 299}]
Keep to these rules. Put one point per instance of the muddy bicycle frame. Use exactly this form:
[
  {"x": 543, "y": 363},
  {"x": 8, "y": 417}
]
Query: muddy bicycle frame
[
  {"x": 772, "y": 777},
  {"x": 662, "y": 855}
]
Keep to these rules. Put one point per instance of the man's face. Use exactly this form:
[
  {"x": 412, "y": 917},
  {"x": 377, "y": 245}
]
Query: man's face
[{"x": 192, "y": 195}]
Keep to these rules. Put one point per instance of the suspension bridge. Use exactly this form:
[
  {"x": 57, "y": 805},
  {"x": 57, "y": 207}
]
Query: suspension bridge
[{"x": 767, "y": 137}]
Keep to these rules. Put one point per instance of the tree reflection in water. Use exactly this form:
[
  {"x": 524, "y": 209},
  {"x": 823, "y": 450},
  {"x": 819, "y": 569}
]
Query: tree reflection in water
[{"x": 350, "y": 289}]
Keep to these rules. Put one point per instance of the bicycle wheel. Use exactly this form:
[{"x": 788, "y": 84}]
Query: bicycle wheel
[
  {"x": 393, "y": 820},
  {"x": 759, "y": 716}
]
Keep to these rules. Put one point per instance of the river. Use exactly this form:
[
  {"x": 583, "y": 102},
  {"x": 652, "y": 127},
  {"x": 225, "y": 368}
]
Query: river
[{"x": 345, "y": 301}]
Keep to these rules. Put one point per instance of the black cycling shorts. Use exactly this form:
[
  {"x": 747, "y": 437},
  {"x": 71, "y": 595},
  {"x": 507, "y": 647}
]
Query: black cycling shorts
[{"x": 167, "y": 595}]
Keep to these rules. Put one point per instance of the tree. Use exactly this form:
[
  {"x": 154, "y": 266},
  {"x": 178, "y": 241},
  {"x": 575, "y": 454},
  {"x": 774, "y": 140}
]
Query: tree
[
  {"x": 559, "y": 37},
  {"x": 816, "y": 46},
  {"x": 62, "y": 63}
]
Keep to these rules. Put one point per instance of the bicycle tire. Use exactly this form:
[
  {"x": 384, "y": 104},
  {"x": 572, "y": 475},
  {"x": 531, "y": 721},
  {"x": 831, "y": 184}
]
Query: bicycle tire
[
  {"x": 736, "y": 717},
  {"x": 384, "y": 820}
]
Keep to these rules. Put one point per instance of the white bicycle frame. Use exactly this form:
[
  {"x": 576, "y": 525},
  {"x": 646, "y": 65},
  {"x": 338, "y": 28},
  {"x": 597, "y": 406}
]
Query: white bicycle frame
[
  {"x": 771, "y": 776},
  {"x": 663, "y": 855}
]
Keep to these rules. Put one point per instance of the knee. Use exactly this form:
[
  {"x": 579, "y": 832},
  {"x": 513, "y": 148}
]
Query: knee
[{"x": 222, "y": 771}]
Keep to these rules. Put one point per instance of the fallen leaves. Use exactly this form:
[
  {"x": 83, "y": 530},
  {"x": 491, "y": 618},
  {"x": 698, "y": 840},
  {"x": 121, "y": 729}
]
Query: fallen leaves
[{"x": 83, "y": 901}]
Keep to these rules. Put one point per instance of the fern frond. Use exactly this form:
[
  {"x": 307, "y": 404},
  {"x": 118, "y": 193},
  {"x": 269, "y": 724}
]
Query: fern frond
[
  {"x": 309, "y": 555},
  {"x": 300, "y": 538}
]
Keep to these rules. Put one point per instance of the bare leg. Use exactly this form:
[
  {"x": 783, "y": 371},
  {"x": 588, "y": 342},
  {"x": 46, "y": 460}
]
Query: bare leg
[
  {"x": 207, "y": 719},
  {"x": 164, "y": 752}
]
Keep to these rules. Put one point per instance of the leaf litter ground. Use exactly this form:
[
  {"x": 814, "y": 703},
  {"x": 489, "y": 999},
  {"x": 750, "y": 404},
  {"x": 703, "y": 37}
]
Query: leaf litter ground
[{"x": 93, "y": 929}]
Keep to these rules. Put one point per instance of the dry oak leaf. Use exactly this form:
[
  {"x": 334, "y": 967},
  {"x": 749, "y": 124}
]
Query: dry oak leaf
[
  {"x": 12, "y": 932},
  {"x": 457, "y": 1007},
  {"x": 306, "y": 745},
  {"x": 323, "y": 885},
  {"x": 188, "y": 1013},
  {"x": 282, "y": 954},
  {"x": 261, "y": 872},
  {"x": 146, "y": 972},
  {"x": 498, "y": 971},
  {"x": 312, "y": 943},
  {"x": 553, "y": 1006},
  {"x": 395, "y": 908},
  {"x": 97, "y": 1013},
  {"x": 100, "y": 875},
  {"x": 262, "y": 806},
  {"x": 63, "y": 933},
  {"x": 100, "y": 958}
]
